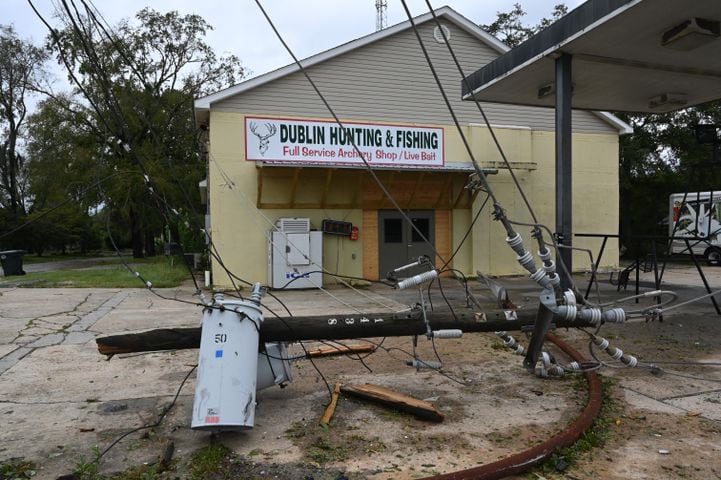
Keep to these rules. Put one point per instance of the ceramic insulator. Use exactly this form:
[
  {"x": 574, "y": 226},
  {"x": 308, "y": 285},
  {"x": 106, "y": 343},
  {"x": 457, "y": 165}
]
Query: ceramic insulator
[{"x": 614, "y": 315}]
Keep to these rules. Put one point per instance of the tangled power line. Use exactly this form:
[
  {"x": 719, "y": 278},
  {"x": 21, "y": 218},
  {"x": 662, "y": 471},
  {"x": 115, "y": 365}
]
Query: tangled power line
[{"x": 569, "y": 304}]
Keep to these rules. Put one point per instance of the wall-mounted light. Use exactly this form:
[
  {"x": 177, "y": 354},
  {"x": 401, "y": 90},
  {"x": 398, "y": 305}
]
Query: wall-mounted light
[
  {"x": 550, "y": 89},
  {"x": 692, "y": 33},
  {"x": 546, "y": 90}
]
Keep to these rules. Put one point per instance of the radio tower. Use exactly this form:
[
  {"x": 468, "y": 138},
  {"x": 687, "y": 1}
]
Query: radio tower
[{"x": 381, "y": 14}]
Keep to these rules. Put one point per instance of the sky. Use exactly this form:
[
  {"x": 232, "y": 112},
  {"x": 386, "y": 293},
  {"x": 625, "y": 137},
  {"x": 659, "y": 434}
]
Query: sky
[{"x": 309, "y": 26}]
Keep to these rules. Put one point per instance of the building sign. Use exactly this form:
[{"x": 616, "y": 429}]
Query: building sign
[{"x": 306, "y": 141}]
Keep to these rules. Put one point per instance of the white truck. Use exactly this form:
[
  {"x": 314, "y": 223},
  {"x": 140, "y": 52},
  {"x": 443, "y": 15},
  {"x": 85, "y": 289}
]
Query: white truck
[{"x": 696, "y": 216}]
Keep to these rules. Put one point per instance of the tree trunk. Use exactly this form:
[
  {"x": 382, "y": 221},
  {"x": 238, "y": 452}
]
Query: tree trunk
[
  {"x": 136, "y": 234},
  {"x": 149, "y": 244}
]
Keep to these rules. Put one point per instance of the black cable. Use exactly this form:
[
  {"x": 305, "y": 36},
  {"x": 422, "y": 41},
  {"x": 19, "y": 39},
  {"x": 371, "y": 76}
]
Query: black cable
[
  {"x": 389, "y": 349},
  {"x": 370, "y": 170},
  {"x": 500, "y": 215},
  {"x": 347, "y": 352},
  {"x": 468, "y": 232},
  {"x": 440, "y": 288},
  {"x": 433, "y": 344},
  {"x": 109, "y": 96},
  {"x": 327, "y": 385},
  {"x": 157, "y": 423},
  {"x": 480, "y": 109},
  {"x": 48, "y": 212},
  {"x": 351, "y": 277}
]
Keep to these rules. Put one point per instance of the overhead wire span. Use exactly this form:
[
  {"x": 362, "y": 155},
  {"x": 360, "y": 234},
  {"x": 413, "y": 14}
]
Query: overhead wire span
[
  {"x": 545, "y": 277},
  {"x": 370, "y": 169},
  {"x": 84, "y": 32},
  {"x": 537, "y": 233},
  {"x": 259, "y": 213}
]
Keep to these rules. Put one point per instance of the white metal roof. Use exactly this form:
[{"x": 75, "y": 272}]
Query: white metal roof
[{"x": 628, "y": 55}]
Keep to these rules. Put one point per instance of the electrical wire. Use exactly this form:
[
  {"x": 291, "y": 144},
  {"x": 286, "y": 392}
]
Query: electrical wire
[
  {"x": 155, "y": 424},
  {"x": 59, "y": 205},
  {"x": 468, "y": 232},
  {"x": 347, "y": 352},
  {"x": 370, "y": 170},
  {"x": 482, "y": 112},
  {"x": 388, "y": 350},
  {"x": 259, "y": 214}
]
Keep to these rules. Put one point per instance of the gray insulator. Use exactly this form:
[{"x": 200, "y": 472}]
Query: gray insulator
[
  {"x": 550, "y": 266},
  {"x": 617, "y": 354},
  {"x": 545, "y": 256},
  {"x": 554, "y": 280},
  {"x": 448, "y": 333},
  {"x": 574, "y": 367},
  {"x": 568, "y": 312},
  {"x": 256, "y": 294},
  {"x": 556, "y": 371},
  {"x": 546, "y": 359},
  {"x": 218, "y": 297},
  {"x": 629, "y": 360},
  {"x": 592, "y": 315},
  {"x": 541, "y": 371},
  {"x": 526, "y": 260},
  {"x": 511, "y": 343},
  {"x": 614, "y": 315},
  {"x": 516, "y": 243},
  {"x": 540, "y": 277},
  {"x": 569, "y": 297},
  {"x": 601, "y": 343},
  {"x": 425, "y": 364},
  {"x": 416, "y": 280}
]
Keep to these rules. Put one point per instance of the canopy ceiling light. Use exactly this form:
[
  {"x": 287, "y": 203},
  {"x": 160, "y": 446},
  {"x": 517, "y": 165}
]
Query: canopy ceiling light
[
  {"x": 668, "y": 100},
  {"x": 692, "y": 33}
]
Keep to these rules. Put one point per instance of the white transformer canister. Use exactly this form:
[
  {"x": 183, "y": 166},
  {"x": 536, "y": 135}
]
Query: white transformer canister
[
  {"x": 273, "y": 366},
  {"x": 228, "y": 365}
]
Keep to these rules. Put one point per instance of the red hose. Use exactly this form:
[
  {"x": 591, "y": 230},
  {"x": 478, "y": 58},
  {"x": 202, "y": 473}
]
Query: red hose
[{"x": 520, "y": 462}]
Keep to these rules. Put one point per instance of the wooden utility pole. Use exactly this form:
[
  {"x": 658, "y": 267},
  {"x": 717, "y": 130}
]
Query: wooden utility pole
[{"x": 330, "y": 327}]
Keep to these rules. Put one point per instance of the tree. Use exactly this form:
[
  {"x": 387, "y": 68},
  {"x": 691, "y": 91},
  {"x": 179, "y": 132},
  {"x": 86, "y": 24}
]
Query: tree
[
  {"x": 62, "y": 162},
  {"x": 21, "y": 72},
  {"x": 509, "y": 28},
  {"x": 138, "y": 84}
]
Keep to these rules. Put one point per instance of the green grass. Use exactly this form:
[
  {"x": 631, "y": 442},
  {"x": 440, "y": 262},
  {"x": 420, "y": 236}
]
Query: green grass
[
  {"x": 31, "y": 258},
  {"x": 593, "y": 438},
  {"x": 210, "y": 460},
  {"x": 158, "y": 271},
  {"x": 17, "y": 469}
]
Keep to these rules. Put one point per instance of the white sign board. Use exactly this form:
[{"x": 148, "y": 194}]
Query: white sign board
[{"x": 312, "y": 141}]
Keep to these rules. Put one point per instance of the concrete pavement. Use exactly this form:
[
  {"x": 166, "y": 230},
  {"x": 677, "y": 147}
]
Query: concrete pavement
[{"x": 59, "y": 398}]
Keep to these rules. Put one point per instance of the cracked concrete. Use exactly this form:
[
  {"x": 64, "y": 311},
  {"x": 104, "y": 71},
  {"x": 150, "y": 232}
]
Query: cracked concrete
[{"x": 59, "y": 398}]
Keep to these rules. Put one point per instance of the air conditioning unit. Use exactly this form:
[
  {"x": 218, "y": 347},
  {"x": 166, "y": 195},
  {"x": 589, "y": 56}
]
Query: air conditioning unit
[
  {"x": 295, "y": 255},
  {"x": 293, "y": 225}
]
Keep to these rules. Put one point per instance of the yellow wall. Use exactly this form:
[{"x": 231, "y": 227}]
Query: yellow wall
[{"x": 239, "y": 229}]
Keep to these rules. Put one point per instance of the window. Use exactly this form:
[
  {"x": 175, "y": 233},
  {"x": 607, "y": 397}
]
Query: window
[
  {"x": 424, "y": 226},
  {"x": 393, "y": 230}
]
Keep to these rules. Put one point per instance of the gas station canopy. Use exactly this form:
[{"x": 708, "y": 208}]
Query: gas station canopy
[{"x": 628, "y": 55}]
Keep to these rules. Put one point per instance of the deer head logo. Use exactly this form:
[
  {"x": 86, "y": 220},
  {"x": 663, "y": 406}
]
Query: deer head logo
[{"x": 264, "y": 139}]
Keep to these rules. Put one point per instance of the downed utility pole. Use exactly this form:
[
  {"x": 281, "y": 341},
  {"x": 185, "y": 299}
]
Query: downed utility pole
[{"x": 331, "y": 327}]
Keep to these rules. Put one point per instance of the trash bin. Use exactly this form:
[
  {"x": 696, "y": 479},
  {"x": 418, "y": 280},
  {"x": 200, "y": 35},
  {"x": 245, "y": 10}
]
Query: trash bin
[{"x": 12, "y": 262}]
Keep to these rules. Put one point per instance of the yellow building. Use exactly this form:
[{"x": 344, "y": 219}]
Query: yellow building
[{"x": 275, "y": 152}]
